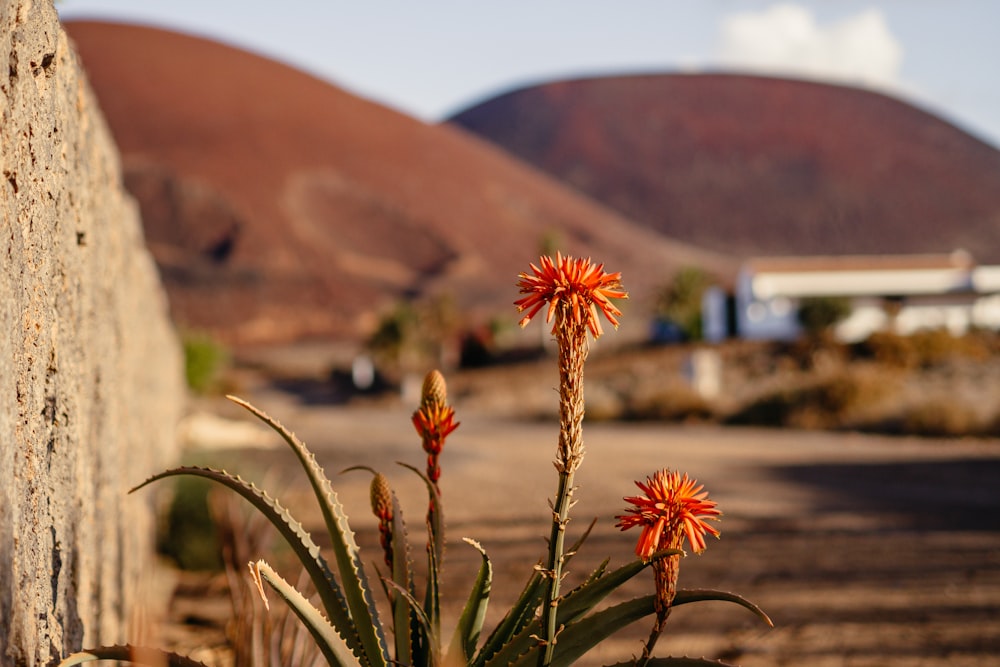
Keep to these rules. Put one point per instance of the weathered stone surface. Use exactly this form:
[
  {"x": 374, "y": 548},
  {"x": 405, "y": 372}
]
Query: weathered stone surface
[{"x": 90, "y": 379}]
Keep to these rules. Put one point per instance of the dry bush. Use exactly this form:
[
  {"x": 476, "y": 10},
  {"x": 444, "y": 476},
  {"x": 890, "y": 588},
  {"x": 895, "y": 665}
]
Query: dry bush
[
  {"x": 936, "y": 347},
  {"x": 941, "y": 417},
  {"x": 604, "y": 404},
  {"x": 890, "y": 349},
  {"x": 676, "y": 403},
  {"x": 834, "y": 400},
  {"x": 927, "y": 348},
  {"x": 820, "y": 352}
]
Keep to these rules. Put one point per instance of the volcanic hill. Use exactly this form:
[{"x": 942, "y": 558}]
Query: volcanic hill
[
  {"x": 758, "y": 166},
  {"x": 279, "y": 207}
]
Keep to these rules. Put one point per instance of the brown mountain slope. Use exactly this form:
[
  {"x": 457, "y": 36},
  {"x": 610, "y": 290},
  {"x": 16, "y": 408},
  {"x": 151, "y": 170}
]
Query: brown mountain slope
[
  {"x": 280, "y": 207},
  {"x": 751, "y": 165}
]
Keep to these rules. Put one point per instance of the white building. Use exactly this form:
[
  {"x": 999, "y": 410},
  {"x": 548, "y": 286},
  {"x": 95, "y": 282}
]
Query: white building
[{"x": 903, "y": 293}]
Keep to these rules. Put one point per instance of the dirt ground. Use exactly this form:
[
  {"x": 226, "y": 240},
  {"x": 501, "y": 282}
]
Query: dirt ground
[{"x": 864, "y": 550}]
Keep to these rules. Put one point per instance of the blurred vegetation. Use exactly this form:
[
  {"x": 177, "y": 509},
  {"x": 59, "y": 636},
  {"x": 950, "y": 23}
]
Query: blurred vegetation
[
  {"x": 678, "y": 403},
  {"x": 940, "y": 418},
  {"x": 395, "y": 333},
  {"x": 925, "y": 349},
  {"x": 550, "y": 242},
  {"x": 818, "y": 315},
  {"x": 822, "y": 401},
  {"x": 680, "y": 301},
  {"x": 188, "y": 535},
  {"x": 415, "y": 334},
  {"x": 887, "y": 383},
  {"x": 204, "y": 361}
]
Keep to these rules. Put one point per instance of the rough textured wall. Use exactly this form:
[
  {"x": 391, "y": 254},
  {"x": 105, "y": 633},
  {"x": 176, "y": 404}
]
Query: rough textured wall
[{"x": 90, "y": 373}]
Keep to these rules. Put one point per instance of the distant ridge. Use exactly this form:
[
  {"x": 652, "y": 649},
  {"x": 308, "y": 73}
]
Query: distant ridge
[
  {"x": 752, "y": 165},
  {"x": 280, "y": 207}
]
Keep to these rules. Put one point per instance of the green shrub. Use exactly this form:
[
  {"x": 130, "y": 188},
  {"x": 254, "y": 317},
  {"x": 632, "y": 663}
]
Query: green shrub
[
  {"x": 188, "y": 535},
  {"x": 415, "y": 333},
  {"x": 680, "y": 301},
  {"x": 820, "y": 314},
  {"x": 204, "y": 360}
]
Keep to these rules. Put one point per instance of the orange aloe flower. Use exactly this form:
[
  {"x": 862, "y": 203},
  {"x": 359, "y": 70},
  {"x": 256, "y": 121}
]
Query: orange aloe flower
[
  {"x": 673, "y": 507},
  {"x": 434, "y": 421},
  {"x": 576, "y": 285}
]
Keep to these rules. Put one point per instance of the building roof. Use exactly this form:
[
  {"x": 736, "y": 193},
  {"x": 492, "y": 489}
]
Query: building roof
[
  {"x": 861, "y": 275},
  {"x": 958, "y": 259}
]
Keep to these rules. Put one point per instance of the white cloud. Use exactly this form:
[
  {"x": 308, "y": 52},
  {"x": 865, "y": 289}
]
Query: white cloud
[{"x": 787, "y": 39}]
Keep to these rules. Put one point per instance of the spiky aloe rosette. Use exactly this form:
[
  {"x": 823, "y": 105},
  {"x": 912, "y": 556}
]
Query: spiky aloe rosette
[{"x": 546, "y": 625}]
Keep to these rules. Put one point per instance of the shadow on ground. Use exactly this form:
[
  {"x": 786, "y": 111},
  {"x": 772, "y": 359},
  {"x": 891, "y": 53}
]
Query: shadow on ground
[{"x": 957, "y": 494}]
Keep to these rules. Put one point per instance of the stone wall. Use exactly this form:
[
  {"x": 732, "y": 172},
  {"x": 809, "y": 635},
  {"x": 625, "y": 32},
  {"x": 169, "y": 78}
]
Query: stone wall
[{"x": 90, "y": 368}]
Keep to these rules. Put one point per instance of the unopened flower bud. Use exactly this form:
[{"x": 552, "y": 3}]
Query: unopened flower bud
[
  {"x": 381, "y": 497},
  {"x": 435, "y": 390}
]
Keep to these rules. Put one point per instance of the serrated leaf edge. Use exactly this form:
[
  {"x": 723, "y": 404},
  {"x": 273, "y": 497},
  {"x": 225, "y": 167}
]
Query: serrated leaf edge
[
  {"x": 356, "y": 590},
  {"x": 332, "y": 645},
  {"x": 128, "y": 653},
  {"x": 297, "y": 537}
]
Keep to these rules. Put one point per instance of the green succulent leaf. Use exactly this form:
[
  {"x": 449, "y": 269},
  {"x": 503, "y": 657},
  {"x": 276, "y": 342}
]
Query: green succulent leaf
[
  {"x": 576, "y": 604},
  {"x": 402, "y": 576},
  {"x": 470, "y": 623},
  {"x": 518, "y": 617},
  {"x": 330, "y": 643},
  {"x": 357, "y": 592},
  {"x": 522, "y": 613},
  {"x": 140, "y": 655},
  {"x": 598, "y": 572},
  {"x": 686, "y": 596},
  {"x": 410, "y": 637},
  {"x": 432, "y": 607},
  {"x": 421, "y": 618},
  {"x": 576, "y": 639},
  {"x": 676, "y": 662},
  {"x": 436, "y": 523},
  {"x": 435, "y": 549},
  {"x": 305, "y": 549},
  {"x": 581, "y": 600}
]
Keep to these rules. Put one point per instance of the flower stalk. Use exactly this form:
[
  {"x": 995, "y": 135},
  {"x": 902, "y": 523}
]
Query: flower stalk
[
  {"x": 574, "y": 291},
  {"x": 573, "y": 349}
]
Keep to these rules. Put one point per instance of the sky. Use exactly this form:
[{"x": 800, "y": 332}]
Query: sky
[{"x": 432, "y": 58}]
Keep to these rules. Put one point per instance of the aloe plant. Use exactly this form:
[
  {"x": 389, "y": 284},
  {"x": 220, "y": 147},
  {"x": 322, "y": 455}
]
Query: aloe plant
[{"x": 545, "y": 625}]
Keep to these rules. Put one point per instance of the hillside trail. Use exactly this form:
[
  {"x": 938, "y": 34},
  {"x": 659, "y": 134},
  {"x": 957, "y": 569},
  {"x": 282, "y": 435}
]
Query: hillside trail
[{"x": 864, "y": 550}]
